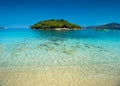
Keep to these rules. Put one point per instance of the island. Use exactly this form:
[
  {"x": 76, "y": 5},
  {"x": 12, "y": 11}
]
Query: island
[
  {"x": 110, "y": 26},
  {"x": 52, "y": 24}
]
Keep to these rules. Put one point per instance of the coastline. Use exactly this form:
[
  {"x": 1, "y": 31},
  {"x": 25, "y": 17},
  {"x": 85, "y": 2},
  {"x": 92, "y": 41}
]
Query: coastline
[
  {"x": 58, "y": 29},
  {"x": 65, "y": 29},
  {"x": 55, "y": 76}
]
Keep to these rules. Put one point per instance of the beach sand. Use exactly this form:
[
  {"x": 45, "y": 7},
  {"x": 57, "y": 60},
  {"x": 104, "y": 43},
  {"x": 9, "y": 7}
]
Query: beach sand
[{"x": 60, "y": 76}]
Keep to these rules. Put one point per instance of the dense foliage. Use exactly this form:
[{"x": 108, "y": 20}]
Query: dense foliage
[{"x": 51, "y": 24}]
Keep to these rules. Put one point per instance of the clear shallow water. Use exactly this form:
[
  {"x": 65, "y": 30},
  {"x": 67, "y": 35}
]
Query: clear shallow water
[{"x": 26, "y": 48}]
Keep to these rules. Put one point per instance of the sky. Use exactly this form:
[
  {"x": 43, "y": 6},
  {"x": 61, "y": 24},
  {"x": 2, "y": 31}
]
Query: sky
[{"x": 22, "y": 13}]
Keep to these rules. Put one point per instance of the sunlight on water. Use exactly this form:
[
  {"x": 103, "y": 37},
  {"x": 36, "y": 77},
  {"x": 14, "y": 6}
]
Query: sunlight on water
[{"x": 96, "y": 52}]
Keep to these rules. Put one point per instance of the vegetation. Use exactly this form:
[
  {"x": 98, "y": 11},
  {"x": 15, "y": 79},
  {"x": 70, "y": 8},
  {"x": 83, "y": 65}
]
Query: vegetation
[{"x": 53, "y": 24}]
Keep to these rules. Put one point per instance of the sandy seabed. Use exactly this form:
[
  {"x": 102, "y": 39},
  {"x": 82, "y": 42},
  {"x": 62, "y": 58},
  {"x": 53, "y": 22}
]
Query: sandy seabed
[{"x": 56, "y": 76}]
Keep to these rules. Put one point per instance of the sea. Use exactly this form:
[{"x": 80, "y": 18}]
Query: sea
[{"x": 76, "y": 54}]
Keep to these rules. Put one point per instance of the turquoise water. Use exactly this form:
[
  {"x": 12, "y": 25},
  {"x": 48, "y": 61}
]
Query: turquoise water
[{"x": 26, "y": 48}]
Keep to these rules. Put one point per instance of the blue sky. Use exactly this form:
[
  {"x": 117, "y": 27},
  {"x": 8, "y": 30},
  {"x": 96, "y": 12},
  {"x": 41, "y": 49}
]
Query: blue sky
[{"x": 83, "y": 12}]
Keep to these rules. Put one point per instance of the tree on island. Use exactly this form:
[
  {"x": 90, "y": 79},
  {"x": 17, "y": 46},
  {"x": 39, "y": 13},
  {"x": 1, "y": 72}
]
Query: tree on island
[{"x": 55, "y": 24}]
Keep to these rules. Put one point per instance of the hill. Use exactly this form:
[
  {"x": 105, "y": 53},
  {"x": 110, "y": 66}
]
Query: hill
[
  {"x": 110, "y": 26},
  {"x": 55, "y": 25}
]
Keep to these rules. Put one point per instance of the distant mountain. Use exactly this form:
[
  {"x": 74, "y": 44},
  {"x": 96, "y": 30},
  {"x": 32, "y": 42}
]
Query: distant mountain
[{"x": 106, "y": 26}]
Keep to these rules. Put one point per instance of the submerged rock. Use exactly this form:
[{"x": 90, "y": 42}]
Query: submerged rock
[{"x": 1, "y": 47}]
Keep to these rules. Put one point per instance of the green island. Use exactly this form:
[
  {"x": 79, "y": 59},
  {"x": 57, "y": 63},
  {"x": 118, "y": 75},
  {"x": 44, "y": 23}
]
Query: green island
[{"x": 52, "y": 24}]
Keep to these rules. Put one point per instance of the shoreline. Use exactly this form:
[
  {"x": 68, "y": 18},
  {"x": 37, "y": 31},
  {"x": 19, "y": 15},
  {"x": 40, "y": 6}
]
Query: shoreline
[
  {"x": 57, "y": 29},
  {"x": 55, "y": 76},
  {"x": 66, "y": 29}
]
